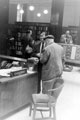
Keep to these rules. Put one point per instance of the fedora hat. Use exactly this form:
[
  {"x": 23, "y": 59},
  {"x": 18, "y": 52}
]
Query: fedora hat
[
  {"x": 42, "y": 35},
  {"x": 49, "y": 37}
]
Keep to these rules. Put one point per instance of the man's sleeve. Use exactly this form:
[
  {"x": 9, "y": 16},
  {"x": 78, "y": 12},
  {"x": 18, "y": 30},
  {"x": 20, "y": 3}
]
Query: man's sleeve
[{"x": 44, "y": 56}]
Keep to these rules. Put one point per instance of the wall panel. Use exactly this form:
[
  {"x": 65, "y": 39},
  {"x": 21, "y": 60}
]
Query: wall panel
[
  {"x": 4, "y": 9},
  {"x": 57, "y": 18},
  {"x": 71, "y": 14}
]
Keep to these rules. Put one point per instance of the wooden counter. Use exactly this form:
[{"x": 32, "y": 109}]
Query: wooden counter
[{"x": 15, "y": 92}]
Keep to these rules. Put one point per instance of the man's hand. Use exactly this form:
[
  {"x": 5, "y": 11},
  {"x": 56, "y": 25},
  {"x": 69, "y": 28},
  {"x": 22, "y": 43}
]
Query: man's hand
[{"x": 38, "y": 55}]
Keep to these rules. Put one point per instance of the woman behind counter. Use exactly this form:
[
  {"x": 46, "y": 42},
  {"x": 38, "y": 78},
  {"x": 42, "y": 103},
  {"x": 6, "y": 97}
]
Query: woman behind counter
[{"x": 27, "y": 44}]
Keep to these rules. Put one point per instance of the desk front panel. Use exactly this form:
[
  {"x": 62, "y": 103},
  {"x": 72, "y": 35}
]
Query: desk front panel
[{"x": 16, "y": 93}]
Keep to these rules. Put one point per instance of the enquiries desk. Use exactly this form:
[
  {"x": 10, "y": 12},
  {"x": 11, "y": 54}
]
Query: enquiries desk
[{"x": 16, "y": 91}]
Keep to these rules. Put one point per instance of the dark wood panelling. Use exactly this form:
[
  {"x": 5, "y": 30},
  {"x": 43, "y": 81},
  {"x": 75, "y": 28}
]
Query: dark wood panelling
[
  {"x": 4, "y": 8},
  {"x": 57, "y": 18},
  {"x": 57, "y": 12},
  {"x": 12, "y": 13}
]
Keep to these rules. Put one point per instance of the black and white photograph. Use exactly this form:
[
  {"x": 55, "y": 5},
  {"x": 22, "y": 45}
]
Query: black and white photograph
[{"x": 39, "y": 59}]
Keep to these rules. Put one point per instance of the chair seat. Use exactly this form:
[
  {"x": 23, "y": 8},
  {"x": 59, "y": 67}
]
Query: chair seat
[{"x": 43, "y": 98}]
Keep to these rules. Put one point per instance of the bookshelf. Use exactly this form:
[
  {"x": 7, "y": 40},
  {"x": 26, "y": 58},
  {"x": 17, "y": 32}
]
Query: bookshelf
[{"x": 20, "y": 29}]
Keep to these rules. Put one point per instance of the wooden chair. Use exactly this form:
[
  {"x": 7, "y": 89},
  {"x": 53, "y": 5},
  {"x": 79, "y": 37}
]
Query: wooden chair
[{"x": 47, "y": 102}]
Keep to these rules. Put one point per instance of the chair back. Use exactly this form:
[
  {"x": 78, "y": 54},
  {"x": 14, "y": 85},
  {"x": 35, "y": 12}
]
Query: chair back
[{"x": 58, "y": 85}]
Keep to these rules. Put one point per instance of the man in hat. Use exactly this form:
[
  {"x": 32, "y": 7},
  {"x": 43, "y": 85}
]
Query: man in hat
[
  {"x": 51, "y": 59},
  {"x": 41, "y": 47},
  {"x": 66, "y": 38}
]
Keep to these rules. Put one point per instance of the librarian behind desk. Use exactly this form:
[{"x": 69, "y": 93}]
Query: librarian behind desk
[
  {"x": 27, "y": 45},
  {"x": 15, "y": 93}
]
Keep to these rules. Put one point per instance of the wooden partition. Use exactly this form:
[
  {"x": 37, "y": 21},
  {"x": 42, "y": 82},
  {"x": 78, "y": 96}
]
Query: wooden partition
[{"x": 72, "y": 54}]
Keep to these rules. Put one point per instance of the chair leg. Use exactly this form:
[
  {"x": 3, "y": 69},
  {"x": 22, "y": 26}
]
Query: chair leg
[
  {"x": 34, "y": 112},
  {"x": 54, "y": 113},
  {"x": 41, "y": 114},
  {"x": 30, "y": 110},
  {"x": 50, "y": 112}
]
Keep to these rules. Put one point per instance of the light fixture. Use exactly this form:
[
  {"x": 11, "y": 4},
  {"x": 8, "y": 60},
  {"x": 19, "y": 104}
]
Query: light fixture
[
  {"x": 21, "y": 11},
  {"x": 31, "y": 8},
  {"x": 45, "y": 11},
  {"x": 18, "y": 7},
  {"x": 38, "y": 14}
]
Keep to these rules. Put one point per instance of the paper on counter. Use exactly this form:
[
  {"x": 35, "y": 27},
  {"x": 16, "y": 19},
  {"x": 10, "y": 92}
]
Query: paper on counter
[
  {"x": 31, "y": 72},
  {"x": 6, "y": 72}
]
